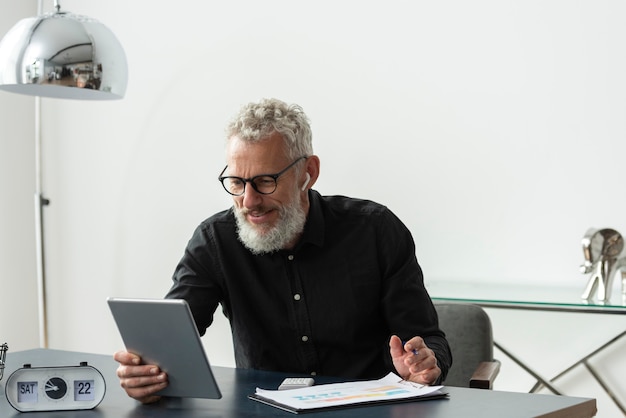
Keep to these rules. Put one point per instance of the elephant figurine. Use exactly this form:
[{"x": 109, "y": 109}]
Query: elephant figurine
[{"x": 602, "y": 249}]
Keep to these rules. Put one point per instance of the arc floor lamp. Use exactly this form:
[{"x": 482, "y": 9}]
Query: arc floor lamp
[{"x": 65, "y": 56}]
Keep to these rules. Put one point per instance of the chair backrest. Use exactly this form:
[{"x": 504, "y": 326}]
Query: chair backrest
[{"x": 469, "y": 333}]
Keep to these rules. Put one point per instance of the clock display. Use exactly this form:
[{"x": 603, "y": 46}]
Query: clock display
[
  {"x": 27, "y": 392},
  {"x": 56, "y": 388},
  {"x": 84, "y": 390}
]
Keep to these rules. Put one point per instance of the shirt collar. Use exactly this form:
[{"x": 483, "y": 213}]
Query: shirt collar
[{"x": 315, "y": 224}]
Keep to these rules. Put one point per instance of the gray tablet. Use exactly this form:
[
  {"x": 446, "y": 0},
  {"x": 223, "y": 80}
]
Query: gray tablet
[{"x": 162, "y": 332}]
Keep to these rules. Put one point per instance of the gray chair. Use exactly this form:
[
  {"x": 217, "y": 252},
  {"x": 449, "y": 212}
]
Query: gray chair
[{"x": 468, "y": 330}]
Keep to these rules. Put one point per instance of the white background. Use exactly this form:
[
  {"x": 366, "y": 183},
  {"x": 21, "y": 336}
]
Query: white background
[{"x": 494, "y": 129}]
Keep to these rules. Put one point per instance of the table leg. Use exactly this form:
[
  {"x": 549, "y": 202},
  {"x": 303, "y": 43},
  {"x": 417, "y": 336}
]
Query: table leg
[
  {"x": 584, "y": 361},
  {"x": 545, "y": 382}
]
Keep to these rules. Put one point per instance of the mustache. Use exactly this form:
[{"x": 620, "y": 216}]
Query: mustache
[{"x": 259, "y": 209}]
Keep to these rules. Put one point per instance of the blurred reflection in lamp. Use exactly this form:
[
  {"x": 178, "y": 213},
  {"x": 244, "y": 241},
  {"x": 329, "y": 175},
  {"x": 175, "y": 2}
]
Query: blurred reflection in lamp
[{"x": 65, "y": 56}]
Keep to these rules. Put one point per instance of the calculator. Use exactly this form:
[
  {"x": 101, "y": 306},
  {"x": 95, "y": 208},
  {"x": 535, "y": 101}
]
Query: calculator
[{"x": 296, "y": 383}]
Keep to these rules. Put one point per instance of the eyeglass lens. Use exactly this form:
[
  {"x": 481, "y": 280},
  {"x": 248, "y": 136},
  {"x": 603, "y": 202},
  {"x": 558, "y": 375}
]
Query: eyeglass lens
[{"x": 262, "y": 184}]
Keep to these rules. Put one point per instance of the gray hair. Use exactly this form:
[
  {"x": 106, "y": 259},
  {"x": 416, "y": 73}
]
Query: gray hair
[{"x": 257, "y": 121}]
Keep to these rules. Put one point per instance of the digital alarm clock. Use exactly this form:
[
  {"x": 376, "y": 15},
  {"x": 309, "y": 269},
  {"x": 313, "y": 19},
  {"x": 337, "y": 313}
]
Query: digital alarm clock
[{"x": 55, "y": 388}]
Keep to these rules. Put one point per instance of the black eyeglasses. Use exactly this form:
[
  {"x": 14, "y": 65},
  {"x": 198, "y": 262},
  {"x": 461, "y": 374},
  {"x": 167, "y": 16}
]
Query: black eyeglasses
[{"x": 263, "y": 183}]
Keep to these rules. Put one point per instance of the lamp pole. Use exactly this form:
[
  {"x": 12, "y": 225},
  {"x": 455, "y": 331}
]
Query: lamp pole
[{"x": 40, "y": 202}]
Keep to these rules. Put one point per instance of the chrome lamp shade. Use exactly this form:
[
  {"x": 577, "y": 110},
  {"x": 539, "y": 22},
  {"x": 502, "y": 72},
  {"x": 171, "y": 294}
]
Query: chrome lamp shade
[{"x": 63, "y": 55}]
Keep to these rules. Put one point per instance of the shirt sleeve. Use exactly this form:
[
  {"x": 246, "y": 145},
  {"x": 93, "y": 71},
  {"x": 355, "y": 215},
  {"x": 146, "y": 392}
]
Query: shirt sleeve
[
  {"x": 195, "y": 279},
  {"x": 405, "y": 301}
]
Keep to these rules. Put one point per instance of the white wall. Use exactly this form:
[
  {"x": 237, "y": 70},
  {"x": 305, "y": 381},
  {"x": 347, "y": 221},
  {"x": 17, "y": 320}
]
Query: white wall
[
  {"x": 18, "y": 284},
  {"x": 494, "y": 129}
]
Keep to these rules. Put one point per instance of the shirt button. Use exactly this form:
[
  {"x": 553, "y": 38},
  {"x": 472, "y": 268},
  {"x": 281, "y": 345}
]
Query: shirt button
[
  {"x": 296, "y": 296},
  {"x": 305, "y": 338},
  {"x": 290, "y": 257}
]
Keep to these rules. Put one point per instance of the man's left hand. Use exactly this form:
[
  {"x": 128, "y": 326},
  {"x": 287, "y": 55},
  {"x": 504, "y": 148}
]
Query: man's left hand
[{"x": 414, "y": 361}]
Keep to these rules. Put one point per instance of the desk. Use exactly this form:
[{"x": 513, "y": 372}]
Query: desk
[
  {"x": 237, "y": 384},
  {"x": 534, "y": 297}
]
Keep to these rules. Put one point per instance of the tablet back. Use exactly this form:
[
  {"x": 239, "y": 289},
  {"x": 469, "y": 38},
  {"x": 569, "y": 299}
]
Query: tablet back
[{"x": 162, "y": 332}]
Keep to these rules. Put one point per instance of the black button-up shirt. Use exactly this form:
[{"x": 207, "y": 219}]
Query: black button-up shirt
[{"x": 329, "y": 306}]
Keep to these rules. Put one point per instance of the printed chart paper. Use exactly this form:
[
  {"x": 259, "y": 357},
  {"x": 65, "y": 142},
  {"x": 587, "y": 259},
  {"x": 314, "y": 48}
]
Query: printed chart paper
[{"x": 389, "y": 388}]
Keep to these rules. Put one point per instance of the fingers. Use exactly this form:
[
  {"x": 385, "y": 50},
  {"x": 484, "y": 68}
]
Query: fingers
[
  {"x": 414, "y": 345},
  {"x": 395, "y": 346},
  {"x": 144, "y": 388},
  {"x": 424, "y": 359},
  {"x": 124, "y": 357},
  {"x": 423, "y": 367},
  {"x": 140, "y": 382},
  {"x": 406, "y": 349},
  {"x": 414, "y": 360}
]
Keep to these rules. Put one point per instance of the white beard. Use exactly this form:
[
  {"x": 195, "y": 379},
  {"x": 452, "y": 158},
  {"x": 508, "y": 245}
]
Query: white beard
[{"x": 263, "y": 239}]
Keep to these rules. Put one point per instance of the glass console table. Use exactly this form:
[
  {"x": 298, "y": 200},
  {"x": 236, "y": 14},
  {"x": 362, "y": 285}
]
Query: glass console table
[{"x": 538, "y": 298}]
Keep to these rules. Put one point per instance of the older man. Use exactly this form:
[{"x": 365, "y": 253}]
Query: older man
[{"x": 310, "y": 284}]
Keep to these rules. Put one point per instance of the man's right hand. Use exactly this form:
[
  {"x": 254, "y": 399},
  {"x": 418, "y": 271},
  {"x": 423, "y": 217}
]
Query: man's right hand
[{"x": 140, "y": 381}]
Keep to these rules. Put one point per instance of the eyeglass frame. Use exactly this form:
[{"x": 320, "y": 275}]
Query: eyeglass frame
[{"x": 251, "y": 180}]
